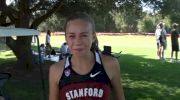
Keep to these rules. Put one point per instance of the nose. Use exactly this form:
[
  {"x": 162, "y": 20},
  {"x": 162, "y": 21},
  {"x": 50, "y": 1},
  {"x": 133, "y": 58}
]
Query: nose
[{"x": 78, "y": 41}]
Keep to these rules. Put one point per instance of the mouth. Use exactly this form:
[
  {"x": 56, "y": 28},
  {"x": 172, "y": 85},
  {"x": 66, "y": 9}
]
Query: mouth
[{"x": 78, "y": 49}]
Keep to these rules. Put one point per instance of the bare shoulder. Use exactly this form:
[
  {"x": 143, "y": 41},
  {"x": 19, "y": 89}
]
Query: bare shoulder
[
  {"x": 110, "y": 61},
  {"x": 57, "y": 66},
  {"x": 111, "y": 65},
  {"x": 56, "y": 70},
  {"x": 112, "y": 68}
]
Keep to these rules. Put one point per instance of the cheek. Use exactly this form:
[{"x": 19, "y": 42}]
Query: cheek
[{"x": 89, "y": 42}]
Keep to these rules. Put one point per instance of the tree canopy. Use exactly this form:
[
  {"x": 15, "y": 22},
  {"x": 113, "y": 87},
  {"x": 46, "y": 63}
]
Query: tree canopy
[
  {"x": 25, "y": 14},
  {"x": 110, "y": 15}
]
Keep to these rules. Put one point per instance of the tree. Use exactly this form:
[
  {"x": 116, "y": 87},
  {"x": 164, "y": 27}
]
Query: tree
[
  {"x": 127, "y": 15},
  {"x": 155, "y": 5},
  {"x": 172, "y": 9},
  {"x": 147, "y": 24},
  {"x": 54, "y": 23},
  {"x": 97, "y": 8},
  {"x": 26, "y": 14},
  {"x": 30, "y": 13}
]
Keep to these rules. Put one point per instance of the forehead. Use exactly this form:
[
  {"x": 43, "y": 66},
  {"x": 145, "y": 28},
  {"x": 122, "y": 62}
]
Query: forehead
[{"x": 78, "y": 24}]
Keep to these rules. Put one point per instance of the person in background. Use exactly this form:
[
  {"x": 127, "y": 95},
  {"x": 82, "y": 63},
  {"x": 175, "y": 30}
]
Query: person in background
[
  {"x": 48, "y": 38},
  {"x": 174, "y": 42},
  {"x": 42, "y": 52},
  {"x": 87, "y": 74},
  {"x": 53, "y": 52},
  {"x": 48, "y": 50},
  {"x": 160, "y": 34},
  {"x": 64, "y": 50}
]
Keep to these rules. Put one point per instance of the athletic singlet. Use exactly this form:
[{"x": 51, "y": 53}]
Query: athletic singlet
[{"x": 95, "y": 85}]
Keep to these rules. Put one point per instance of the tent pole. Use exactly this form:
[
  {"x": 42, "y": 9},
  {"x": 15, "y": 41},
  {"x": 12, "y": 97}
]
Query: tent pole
[{"x": 41, "y": 70}]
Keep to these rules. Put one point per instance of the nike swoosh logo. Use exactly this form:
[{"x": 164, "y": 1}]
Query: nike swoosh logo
[{"x": 94, "y": 75}]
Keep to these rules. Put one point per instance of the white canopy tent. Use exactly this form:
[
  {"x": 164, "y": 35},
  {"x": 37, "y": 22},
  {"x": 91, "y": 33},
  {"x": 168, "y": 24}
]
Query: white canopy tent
[
  {"x": 11, "y": 31},
  {"x": 8, "y": 31}
]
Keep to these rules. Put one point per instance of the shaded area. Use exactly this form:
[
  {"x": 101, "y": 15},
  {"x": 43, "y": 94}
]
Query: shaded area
[
  {"x": 25, "y": 84},
  {"x": 34, "y": 48},
  {"x": 149, "y": 79},
  {"x": 143, "y": 79}
]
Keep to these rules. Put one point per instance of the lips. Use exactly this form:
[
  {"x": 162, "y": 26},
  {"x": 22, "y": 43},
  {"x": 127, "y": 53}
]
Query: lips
[{"x": 78, "y": 49}]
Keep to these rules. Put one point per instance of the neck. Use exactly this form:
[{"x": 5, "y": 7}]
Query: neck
[{"x": 83, "y": 62}]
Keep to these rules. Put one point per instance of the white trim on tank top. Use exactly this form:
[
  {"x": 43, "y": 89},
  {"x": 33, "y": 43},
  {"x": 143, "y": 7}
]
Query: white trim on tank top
[{"x": 97, "y": 56}]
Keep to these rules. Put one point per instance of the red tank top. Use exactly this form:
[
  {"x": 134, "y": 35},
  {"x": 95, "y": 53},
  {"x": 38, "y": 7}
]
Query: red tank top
[{"x": 95, "y": 85}]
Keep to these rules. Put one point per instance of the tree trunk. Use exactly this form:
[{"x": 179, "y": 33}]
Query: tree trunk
[
  {"x": 2, "y": 15},
  {"x": 21, "y": 17},
  {"x": 21, "y": 47},
  {"x": 22, "y": 50},
  {"x": 108, "y": 23}
]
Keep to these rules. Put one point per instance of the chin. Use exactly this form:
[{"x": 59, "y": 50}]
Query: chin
[{"x": 79, "y": 53}]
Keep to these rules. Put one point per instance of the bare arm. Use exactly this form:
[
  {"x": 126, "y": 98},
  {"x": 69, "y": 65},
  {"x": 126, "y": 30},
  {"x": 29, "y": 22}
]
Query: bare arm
[
  {"x": 55, "y": 73},
  {"x": 112, "y": 68},
  {"x": 157, "y": 34},
  {"x": 116, "y": 81}
]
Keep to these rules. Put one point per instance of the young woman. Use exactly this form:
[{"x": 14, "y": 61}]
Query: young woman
[
  {"x": 48, "y": 37},
  {"x": 87, "y": 74}
]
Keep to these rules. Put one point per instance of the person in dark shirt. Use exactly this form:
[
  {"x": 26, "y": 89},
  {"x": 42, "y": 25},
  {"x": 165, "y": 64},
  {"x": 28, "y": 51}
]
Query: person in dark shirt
[
  {"x": 48, "y": 50},
  {"x": 87, "y": 74},
  {"x": 174, "y": 42}
]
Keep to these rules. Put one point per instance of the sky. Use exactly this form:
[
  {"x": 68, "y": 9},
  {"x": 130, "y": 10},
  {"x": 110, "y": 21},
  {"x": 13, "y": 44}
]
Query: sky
[
  {"x": 8, "y": 1},
  {"x": 147, "y": 8}
]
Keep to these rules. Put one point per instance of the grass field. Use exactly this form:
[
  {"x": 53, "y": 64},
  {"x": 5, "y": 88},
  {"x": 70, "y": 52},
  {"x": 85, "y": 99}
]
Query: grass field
[{"x": 144, "y": 77}]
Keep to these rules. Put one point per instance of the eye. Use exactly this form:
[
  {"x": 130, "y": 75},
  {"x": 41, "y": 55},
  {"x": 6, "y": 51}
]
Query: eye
[
  {"x": 71, "y": 36},
  {"x": 84, "y": 35}
]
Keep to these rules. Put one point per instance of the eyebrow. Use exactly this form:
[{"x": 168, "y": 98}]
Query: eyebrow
[
  {"x": 84, "y": 33},
  {"x": 71, "y": 33}
]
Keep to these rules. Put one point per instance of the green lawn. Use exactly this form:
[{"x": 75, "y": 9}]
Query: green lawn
[{"x": 144, "y": 77}]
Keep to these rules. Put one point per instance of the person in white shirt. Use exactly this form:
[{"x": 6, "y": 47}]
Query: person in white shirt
[
  {"x": 48, "y": 37},
  {"x": 160, "y": 34},
  {"x": 64, "y": 50}
]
